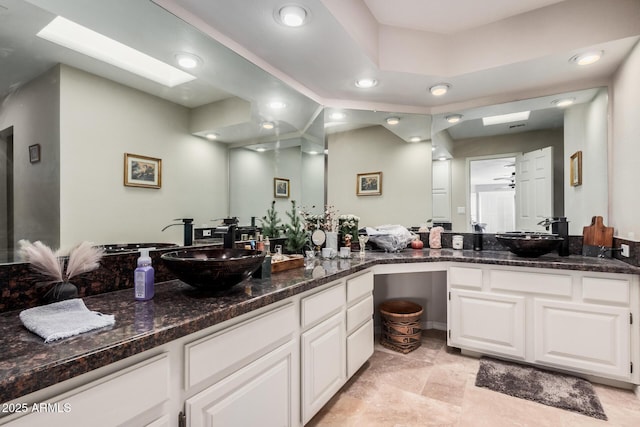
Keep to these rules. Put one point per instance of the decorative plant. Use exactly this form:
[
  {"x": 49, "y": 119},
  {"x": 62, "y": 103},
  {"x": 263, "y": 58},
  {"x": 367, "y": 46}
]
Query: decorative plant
[
  {"x": 330, "y": 222},
  {"x": 296, "y": 235},
  {"x": 58, "y": 268},
  {"x": 270, "y": 222},
  {"x": 348, "y": 227}
]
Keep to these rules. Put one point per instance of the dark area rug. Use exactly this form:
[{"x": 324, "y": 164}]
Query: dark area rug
[{"x": 546, "y": 387}]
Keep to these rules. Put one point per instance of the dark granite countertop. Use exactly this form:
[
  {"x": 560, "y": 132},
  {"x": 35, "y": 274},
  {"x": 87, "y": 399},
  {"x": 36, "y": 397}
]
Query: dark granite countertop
[{"x": 177, "y": 310}]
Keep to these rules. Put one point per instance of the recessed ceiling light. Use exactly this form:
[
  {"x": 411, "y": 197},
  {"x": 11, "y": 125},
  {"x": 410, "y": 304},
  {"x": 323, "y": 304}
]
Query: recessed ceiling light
[
  {"x": 439, "y": 89},
  {"x": 313, "y": 153},
  {"x": 506, "y": 118},
  {"x": 211, "y": 136},
  {"x": 337, "y": 116},
  {"x": 188, "y": 60},
  {"x": 415, "y": 139},
  {"x": 393, "y": 120},
  {"x": 587, "y": 58},
  {"x": 267, "y": 125},
  {"x": 88, "y": 42},
  {"x": 261, "y": 149},
  {"x": 292, "y": 15},
  {"x": 433, "y": 148},
  {"x": 565, "y": 102},
  {"x": 366, "y": 83},
  {"x": 442, "y": 159},
  {"x": 454, "y": 118}
]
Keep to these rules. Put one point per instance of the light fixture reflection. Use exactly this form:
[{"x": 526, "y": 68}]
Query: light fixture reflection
[
  {"x": 267, "y": 125},
  {"x": 454, "y": 118},
  {"x": 366, "y": 83},
  {"x": 292, "y": 16},
  {"x": 563, "y": 102},
  {"x": 393, "y": 120},
  {"x": 211, "y": 136},
  {"x": 439, "y": 89}
]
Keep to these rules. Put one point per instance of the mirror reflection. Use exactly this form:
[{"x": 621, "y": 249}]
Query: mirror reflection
[
  {"x": 395, "y": 144},
  {"x": 84, "y": 114},
  {"x": 511, "y": 175}
]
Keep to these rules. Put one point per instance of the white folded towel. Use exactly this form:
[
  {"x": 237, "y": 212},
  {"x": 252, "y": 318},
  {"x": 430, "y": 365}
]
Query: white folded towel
[{"x": 63, "y": 319}]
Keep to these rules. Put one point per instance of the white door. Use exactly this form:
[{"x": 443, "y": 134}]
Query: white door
[
  {"x": 482, "y": 321},
  {"x": 534, "y": 189},
  {"x": 583, "y": 337},
  {"x": 324, "y": 360},
  {"x": 260, "y": 394},
  {"x": 441, "y": 190}
]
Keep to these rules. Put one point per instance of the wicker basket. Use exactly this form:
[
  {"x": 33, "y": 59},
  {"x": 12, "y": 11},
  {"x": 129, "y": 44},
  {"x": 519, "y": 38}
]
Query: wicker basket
[{"x": 401, "y": 329}]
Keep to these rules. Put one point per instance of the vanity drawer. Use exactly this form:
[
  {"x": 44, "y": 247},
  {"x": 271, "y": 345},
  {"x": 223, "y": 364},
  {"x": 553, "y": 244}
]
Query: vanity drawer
[
  {"x": 219, "y": 354},
  {"x": 359, "y": 313},
  {"x": 529, "y": 281},
  {"x": 321, "y": 305},
  {"x": 359, "y": 286},
  {"x": 465, "y": 277},
  {"x": 608, "y": 290}
]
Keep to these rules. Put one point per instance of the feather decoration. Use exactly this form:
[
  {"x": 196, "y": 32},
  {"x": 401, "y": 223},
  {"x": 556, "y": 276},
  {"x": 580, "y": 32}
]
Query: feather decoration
[
  {"x": 83, "y": 258},
  {"x": 42, "y": 259}
]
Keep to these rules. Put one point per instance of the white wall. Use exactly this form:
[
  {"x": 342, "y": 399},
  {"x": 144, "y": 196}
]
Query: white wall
[
  {"x": 502, "y": 144},
  {"x": 624, "y": 173},
  {"x": 100, "y": 121},
  {"x": 313, "y": 182},
  {"x": 251, "y": 182},
  {"x": 406, "y": 177},
  {"x": 586, "y": 130},
  {"x": 33, "y": 111}
]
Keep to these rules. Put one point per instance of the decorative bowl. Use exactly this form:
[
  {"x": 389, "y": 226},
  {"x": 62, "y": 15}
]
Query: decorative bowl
[
  {"x": 530, "y": 245},
  {"x": 213, "y": 269}
]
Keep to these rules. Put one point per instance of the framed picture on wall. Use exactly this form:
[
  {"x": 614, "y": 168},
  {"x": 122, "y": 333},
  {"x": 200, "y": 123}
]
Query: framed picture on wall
[
  {"x": 280, "y": 187},
  {"x": 369, "y": 184},
  {"x": 142, "y": 171},
  {"x": 34, "y": 153},
  {"x": 576, "y": 169}
]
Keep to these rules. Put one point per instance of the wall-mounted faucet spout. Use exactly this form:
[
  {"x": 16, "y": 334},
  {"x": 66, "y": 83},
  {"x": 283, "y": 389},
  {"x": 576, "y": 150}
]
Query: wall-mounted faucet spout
[
  {"x": 188, "y": 229},
  {"x": 560, "y": 226}
]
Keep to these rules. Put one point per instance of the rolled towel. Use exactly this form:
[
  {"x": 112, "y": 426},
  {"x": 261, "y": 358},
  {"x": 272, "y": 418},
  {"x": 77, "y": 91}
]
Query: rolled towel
[
  {"x": 63, "y": 319},
  {"x": 435, "y": 241}
]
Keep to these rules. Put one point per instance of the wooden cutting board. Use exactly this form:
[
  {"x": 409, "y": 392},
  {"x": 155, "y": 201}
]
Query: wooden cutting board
[{"x": 596, "y": 235}]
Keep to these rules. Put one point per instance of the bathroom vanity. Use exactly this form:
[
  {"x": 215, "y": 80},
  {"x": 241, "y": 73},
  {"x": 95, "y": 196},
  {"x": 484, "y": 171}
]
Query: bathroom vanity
[{"x": 274, "y": 351}]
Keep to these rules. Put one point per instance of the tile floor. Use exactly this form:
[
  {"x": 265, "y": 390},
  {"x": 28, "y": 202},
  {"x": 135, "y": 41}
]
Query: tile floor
[{"x": 434, "y": 386}]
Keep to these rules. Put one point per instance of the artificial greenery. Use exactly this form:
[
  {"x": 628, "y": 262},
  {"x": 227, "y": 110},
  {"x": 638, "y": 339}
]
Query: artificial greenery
[
  {"x": 296, "y": 235},
  {"x": 270, "y": 222}
]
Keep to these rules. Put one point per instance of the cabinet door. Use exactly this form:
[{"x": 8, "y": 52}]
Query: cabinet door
[
  {"x": 260, "y": 394},
  {"x": 323, "y": 364},
  {"x": 583, "y": 337},
  {"x": 359, "y": 347},
  {"x": 487, "y": 322}
]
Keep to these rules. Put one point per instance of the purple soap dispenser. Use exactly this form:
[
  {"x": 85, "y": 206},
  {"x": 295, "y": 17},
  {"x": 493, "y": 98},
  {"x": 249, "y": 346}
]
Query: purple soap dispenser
[{"x": 143, "y": 277}]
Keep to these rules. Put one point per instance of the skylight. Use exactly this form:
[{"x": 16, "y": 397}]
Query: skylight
[
  {"x": 506, "y": 118},
  {"x": 88, "y": 42}
]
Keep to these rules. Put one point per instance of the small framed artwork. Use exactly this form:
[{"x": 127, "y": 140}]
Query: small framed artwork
[
  {"x": 576, "y": 169},
  {"x": 369, "y": 184},
  {"x": 280, "y": 187},
  {"x": 142, "y": 171},
  {"x": 34, "y": 153}
]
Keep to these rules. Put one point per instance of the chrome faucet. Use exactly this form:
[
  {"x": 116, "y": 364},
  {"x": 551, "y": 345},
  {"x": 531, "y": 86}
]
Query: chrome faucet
[{"x": 188, "y": 229}]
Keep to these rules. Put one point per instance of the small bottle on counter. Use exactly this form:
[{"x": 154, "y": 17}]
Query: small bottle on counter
[
  {"x": 267, "y": 246},
  {"x": 143, "y": 277},
  {"x": 260, "y": 244}
]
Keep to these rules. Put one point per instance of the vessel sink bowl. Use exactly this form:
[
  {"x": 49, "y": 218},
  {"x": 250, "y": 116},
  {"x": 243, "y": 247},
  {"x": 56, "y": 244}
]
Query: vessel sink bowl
[
  {"x": 529, "y": 245},
  {"x": 116, "y": 248},
  {"x": 213, "y": 269}
]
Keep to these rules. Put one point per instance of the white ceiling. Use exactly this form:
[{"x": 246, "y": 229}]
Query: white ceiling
[
  {"x": 436, "y": 15},
  {"x": 490, "y": 51}
]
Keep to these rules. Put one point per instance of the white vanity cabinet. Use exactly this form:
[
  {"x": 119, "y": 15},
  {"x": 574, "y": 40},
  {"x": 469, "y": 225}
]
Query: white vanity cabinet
[
  {"x": 252, "y": 368},
  {"x": 566, "y": 319},
  {"x": 323, "y": 347},
  {"x": 360, "y": 334},
  {"x": 136, "y": 395}
]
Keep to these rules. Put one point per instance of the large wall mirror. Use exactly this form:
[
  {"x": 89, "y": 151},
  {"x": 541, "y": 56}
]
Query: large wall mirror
[
  {"x": 82, "y": 115},
  {"x": 398, "y": 145},
  {"x": 506, "y": 167}
]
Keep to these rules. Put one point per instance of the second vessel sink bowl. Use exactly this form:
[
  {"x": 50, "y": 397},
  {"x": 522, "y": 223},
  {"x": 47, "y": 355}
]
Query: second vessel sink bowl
[
  {"x": 213, "y": 269},
  {"x": 529, "y": 245}
]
